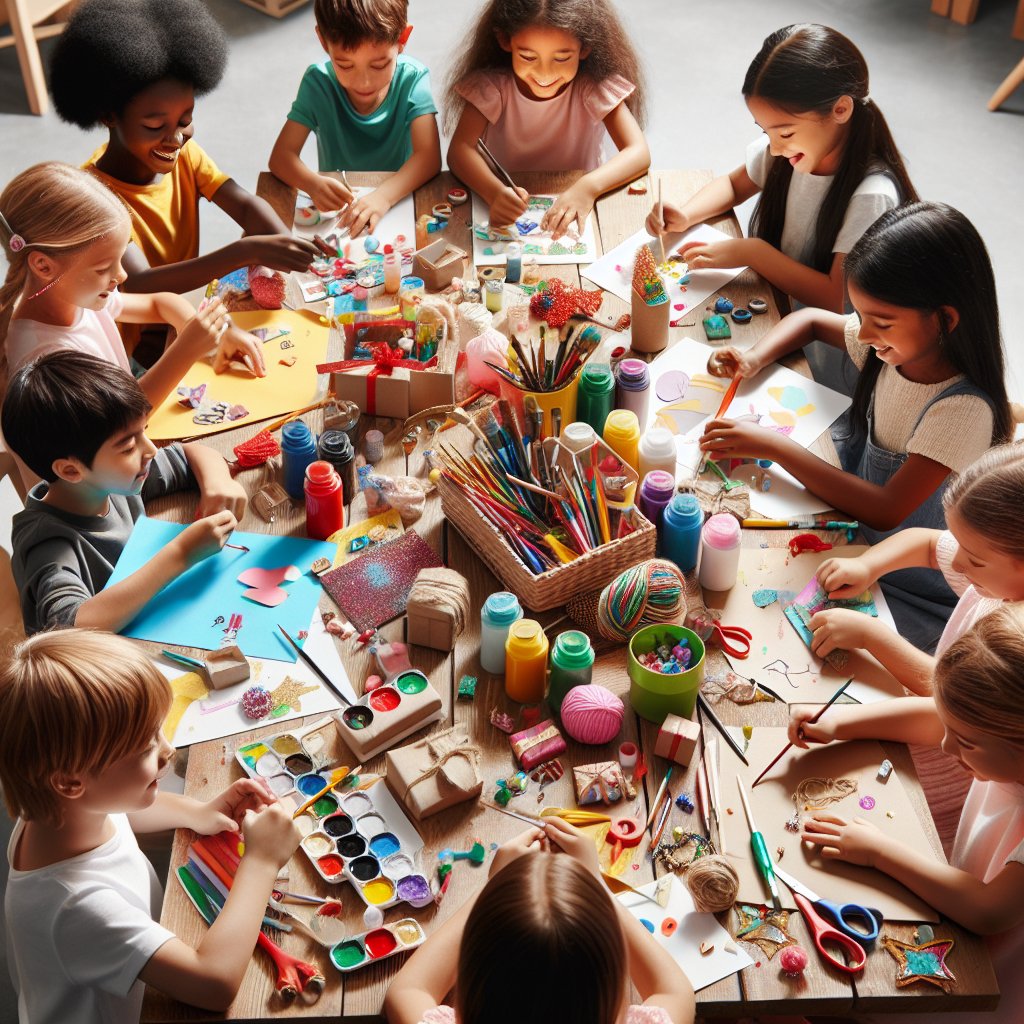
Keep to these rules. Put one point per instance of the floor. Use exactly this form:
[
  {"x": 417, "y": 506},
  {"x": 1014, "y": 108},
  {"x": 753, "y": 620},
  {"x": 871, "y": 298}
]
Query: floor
[{"x": 932, "y": 79}]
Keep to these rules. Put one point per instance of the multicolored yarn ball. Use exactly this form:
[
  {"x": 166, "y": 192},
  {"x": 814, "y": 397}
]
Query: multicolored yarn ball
[
  {"x": 257, "y": 703},
  {"x": 793, "y": 960},
  {"x": 713, "y": 883},
  {"x": 653, "y": 591},
  {"x": 267, "y": 287},
  {"x": 592, "y": 714}
]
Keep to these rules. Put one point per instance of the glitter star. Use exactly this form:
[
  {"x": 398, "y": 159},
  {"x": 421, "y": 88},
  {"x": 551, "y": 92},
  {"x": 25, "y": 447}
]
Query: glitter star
[{"x": 926, "y": 962}]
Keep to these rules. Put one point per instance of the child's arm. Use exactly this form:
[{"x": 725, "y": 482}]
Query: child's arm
[
  {"x": 632, "y": 159},
  {"x": 207, "y": 817},
  {"x": 714, "y": 199},
  {"x": 218, "y": 490},
  {"x": 987, "y": 908},
  {"x": 505, "y": 204},
  {"x": 424, "y": 163},
  {"x": 209, "y": 975},
  {"x": 286, "y": 163},
  {"x": 903, "y": 720}
]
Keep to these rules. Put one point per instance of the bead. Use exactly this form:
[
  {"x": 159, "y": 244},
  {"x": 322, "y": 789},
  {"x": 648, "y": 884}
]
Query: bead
[
  {"x": 741, "y": 316},
  {"x": 723, "y": 305},
  {"x": 757, "y": 306}
]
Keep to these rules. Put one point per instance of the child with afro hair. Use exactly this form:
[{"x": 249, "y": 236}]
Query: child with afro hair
[{"x": 135, "y": 66}]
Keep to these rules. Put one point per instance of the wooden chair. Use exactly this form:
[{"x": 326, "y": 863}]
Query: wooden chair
[
  {"x": 27, "y": 28},
  {"x": 1010, "y": 83}
]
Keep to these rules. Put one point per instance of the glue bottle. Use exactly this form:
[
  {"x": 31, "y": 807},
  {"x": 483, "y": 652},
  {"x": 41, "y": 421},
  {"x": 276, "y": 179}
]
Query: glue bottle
[
  {"x": 655, "y": 493},
  {"x": 572, "y": 664},
  {"x": 680, "y": 531},
  {"x": 526, "y": 662},
  {"x": 392, "y": 271},
  {"x": 298, "y": 450},
  {"x": 622, "y": 435},
  {"x": 657, "y": 451},
  {"x": 514, "y": 262},
  {"x": 719, "y": 552},
  {"x": 336, "y": 447},
  {"x": 325, "y": 508},
  {"x": 498, "y": 613}
]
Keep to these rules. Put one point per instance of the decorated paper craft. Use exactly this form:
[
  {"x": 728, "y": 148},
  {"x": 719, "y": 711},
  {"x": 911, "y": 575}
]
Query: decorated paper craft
[
  {"x": 491, "y": 247},
  {"x": 194, "y": 609},
  {"x": 811, "y": 600},
  {"x": 831, "y": 878},
  {"x": 681, "y": 931},
  {"x": 283, "y": 390},
  {"x": 377, "y": 530},
  {"x": 925, "y": 962},
  {"x": 265, "y": 584},
  {"x": 399, "y": 221},
  {"x": 763, "y": 926}
]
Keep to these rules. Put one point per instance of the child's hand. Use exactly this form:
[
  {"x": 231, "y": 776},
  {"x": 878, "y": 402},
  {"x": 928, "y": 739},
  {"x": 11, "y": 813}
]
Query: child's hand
[
  {"x": 243, "y": 346},
  {"x": 733, "y": 252},
  {"x": 526, "y": 842},
  {"x": 365, "y": 213},
  {"x": 225, "y": 812},
  {"x": 270, "y": 834},
  {"x": 508, "y": 206},
  {"x": 573, "y": 205},
  {"x": 279, "y": 252},
  {"x": 202, "y": 331},
  {"x": 221, "y": 495},
  {"x": 205, "y": 537},
  {"x": 672, "y": 219},
  {"x": 738, "y": 439},
  {"x": 802, "y": 733},
  {"x": 569, "y": 839},
  {"x": 856, "y": 842},
  {"x": 840, "y": 629},
  {"x": 729, "y": 361},
  {"x": 844, "y": 577},
  {"x": 329, "y": 194}
]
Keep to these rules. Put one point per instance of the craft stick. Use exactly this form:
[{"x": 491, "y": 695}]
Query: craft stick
[
  {"x": 499, "y": 171},
  {"x": 337, "y": 777},
  {"x": 183, "y": 659},
  {"x": 315, "y": 667},
  {"x": 657, "y": 798},
  {"x": 835, "y": 696}
]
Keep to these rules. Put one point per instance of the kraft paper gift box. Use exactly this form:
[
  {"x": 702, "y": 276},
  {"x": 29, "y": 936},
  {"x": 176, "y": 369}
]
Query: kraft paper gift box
[
  {"x": 435, "y": 623},
  {"x": 434, "y": 773},
  {"x": 677, "y": 738},
  {"x": 600, "y": 783},
  {"x": 438, "y": 263},
  {"x": 539, "y": 743}
]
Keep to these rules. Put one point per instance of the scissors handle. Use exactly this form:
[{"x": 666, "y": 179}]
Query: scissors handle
[
  {"x": 860, "y": 923},
  {"x": 823, "y": 933},
  {"x": 726, "y": 634}
]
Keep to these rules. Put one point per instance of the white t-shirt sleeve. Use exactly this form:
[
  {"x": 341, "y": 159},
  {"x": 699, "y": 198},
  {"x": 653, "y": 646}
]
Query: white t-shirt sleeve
[
  {"x": 946, "y": 549},
  {"x": 856, "y": 349},
  {"x": 757, "y": 159},
  {"x": 104, "y": 941},
  {"x": 875, "y": 195},
  {"x": 954, "y": 432}
]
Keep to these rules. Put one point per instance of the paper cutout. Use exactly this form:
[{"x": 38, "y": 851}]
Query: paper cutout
[
  {"x": 538, "y": 245},
  {"x": 284, "y": 389},
  {"x": 399, "y": 221},
  {"x": 925, "y": 962},
  {"x": 186, "y": 610},
  {"x": 764, "y": 926},
  {"x": 265, "y": 586},
  {"x": 186, "y": 689},
  {"x": 811, "y": 600}
]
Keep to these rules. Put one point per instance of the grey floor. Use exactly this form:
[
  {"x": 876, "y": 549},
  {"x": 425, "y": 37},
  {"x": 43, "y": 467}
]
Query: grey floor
[{"x": 932, "y": 79}]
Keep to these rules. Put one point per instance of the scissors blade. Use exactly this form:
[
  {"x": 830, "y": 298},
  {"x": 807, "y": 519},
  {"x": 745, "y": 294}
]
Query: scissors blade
[{"x": 795, "y": 885}]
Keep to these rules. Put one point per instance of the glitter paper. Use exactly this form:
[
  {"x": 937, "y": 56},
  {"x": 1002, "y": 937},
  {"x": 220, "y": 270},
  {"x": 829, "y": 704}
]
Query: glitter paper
[
  {"x": 925, "y": 962},
  {"x": 374, "y": 588},
  {"x": 288, "y": 694},
  {"x": 764, "y": 927},
  {"x": 765, "y": 596}
]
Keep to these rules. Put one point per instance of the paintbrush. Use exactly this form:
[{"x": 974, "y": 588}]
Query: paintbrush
[
  {"x": 709, "y": 761},
  {"x": 315, "y": 667},
  {"x": 835, "y": 696},
  {"x": 661, "y": 221},
  {"x": 184, "y": 659},
  {"x": 717, "y": 723},
  {"x": 498, "y": 170},
  {"x": 617, "y": 885},
  {"x": 662, "y": 821},
  {"x": 730, "y": 394},
  {"x": 338, "y": 776},
  {"x": 657, "y": 799}
]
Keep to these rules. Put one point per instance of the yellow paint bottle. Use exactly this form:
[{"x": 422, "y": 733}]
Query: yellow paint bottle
[
  {"x": 622, "y": 435},
  {"x": 526, "y": 662}
]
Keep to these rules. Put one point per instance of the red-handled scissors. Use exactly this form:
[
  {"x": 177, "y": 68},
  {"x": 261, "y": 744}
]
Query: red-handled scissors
[
  {"x": 710, "y": 630},
  {"x": 842, "y": 934}
]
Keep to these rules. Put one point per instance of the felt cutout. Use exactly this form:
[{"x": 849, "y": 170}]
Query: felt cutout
[
  {"x": 925, "y": 962},
  {"x": 764, "y": 927},
  {"x": 265, "y": 586}
]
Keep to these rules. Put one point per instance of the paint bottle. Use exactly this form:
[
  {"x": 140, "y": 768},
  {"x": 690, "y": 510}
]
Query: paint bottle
[
  {"x": 719, "y": 552},
  {"x": 526, "y": 662},
  {"x": 595, "y": 395},
  {"x": 498, "y": 613},
  {"x": 632, "y": 383},
  {"x": 658, "y": 451},
  {"x": 680, "y": 531},
  {"x": 572, "y": 664},
  {"x": 336, "y": 448},
  {"x": 655, "y": 493},
  {"x": 578, "y": 438},
  {"x": 622, "y": 435},
  {"x": 514, "y": 262},
  {"x": 494, "y": 295},
  {"x": 325, "y": 501},
  {"x": 410, "y": 294},
  {"x": 392, "y": 271},
  {"x": 298, "y": 450}
]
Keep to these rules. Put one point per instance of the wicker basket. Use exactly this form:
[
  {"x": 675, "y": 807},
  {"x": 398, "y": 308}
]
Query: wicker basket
[{"x": 551, "y": 589}]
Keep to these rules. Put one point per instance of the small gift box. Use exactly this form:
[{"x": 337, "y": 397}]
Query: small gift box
[
  {"x": 437, "y": 772},
  {"x": 601, "y": 783},
  {"x": 677, "y": 739},
  {"x": 540, "y": 742}
]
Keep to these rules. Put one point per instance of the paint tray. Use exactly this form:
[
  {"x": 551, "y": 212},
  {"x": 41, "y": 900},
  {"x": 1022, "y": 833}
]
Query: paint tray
[
  {"x": 373, "y": 946},
  {"x": 289, "y": 762}
]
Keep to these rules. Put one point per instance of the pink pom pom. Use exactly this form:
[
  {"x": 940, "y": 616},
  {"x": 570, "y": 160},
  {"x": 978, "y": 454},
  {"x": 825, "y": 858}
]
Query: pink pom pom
[
  {"x": 793, "y": 961},
  {"x": 257, "y": 703},
  {"x": 267, "y": 287},
  {"x": 592, "y": 714}
]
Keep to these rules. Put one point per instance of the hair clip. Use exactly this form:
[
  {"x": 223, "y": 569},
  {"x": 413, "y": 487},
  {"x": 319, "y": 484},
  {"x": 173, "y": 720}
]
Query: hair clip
[{"x": 15, "y": 241}]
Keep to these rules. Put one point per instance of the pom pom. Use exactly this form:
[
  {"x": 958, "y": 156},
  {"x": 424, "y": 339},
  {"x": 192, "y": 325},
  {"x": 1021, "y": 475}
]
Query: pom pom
[
  {"x": 592, "y": 714},
  {"x": 267, "y": 287},
  {"x": 793, "y": 961},
  {"x": 713, "y": 883},
  {"x": 488, "y": 347},
  {"x": 257, "y": 703}
]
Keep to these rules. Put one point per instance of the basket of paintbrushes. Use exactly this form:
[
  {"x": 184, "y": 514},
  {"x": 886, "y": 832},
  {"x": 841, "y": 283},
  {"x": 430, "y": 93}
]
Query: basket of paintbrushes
[{"x": 548, "y": 522}]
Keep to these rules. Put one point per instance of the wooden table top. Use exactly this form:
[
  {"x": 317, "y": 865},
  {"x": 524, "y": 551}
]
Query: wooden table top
[{"x": 757, "y": 990}]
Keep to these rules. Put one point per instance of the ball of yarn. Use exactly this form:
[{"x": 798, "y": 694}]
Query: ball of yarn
[
  {"x": 592, "y": 714},
  {"x": 257, "y": 703},
  {"x": 713, "y": 883},
  {"x": 793, "y": 960},
  {"x": 267, "y": 287},
  {"x": 653, "y": 591}
]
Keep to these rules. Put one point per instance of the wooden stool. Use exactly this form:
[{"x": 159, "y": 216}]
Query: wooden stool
[{"x": 26, "y": 18}]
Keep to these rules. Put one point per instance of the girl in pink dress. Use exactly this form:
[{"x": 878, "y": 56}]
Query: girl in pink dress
[{"x": 545, "y": 84}]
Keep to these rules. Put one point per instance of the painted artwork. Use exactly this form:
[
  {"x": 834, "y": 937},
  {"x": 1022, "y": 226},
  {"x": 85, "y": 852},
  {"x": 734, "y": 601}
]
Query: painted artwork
[
  {"x": 812, "y": 599},
  {"x": 398, "y": 222},
  {"x": 490, "y": 245}
]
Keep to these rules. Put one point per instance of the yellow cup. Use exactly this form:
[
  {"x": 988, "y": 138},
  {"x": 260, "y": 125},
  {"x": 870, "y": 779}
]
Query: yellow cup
[{"x": 558, "y": 407}]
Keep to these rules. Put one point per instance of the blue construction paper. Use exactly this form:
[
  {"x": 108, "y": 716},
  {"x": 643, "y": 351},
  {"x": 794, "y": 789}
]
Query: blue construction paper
[{"x": 184, "y": 612}]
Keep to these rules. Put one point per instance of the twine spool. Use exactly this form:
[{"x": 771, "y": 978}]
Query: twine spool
[
  {"x": 713, "y": 883},
  {"x": 592, "y": 714},
  {"x": 373, "y": 444},
  {"x": 650, "y": 592}
]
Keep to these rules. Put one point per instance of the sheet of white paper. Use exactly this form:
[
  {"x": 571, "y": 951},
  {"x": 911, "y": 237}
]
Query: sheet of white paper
[
  {"x": 571, "y": 249},
  {"x": 694, "y": 928},
  {"x": 220, "y": 713},
  {"x": 614, "y": 270},
  {"x": 399, "y": 220}
]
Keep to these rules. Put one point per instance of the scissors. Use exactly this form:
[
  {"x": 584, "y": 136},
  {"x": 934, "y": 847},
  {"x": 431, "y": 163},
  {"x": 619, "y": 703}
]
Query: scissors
[
  {"x": 843, "y": 934},
  {"x": 710, "y": 630}
]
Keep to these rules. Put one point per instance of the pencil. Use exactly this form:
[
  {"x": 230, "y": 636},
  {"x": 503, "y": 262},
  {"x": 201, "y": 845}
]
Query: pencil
[
  {"x": 315, "y": 667},
  {"x": 657, "y": 800},
  {"x": 717, "y": 723}
]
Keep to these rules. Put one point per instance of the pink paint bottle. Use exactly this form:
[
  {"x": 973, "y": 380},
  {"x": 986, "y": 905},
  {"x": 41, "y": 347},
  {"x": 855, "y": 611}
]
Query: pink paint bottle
[
  {"x": 325, "y": 501},
  {"x": 719, "y": 552}
]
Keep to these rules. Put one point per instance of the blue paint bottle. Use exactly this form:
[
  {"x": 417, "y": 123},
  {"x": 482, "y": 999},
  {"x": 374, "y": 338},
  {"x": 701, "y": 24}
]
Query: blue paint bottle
[
  {"x": 680, "y": 531},
  {"x": 298, "y": 450}
]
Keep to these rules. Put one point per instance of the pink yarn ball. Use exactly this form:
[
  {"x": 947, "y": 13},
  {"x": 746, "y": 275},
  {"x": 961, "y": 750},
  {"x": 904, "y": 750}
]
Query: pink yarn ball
[
  {"x": 592, "y": 714},
  {"x": 793, "y": 960}
]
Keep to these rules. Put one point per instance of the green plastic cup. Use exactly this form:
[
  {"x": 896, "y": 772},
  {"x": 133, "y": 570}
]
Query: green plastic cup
[{"x": 654, "y": 695}]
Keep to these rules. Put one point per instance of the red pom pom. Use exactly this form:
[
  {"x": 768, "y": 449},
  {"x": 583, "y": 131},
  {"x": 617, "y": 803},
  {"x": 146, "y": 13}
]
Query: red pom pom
[
  {"x": 793, "y": 960},
  {"x": 267, "y": 287}
]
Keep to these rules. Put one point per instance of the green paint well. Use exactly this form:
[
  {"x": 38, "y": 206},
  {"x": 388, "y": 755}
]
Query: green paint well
[{"x": 348, "y": 954}]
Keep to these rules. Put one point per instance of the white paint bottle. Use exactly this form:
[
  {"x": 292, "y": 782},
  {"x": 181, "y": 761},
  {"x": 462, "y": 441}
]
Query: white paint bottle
[{"x": 719, "y": 552}]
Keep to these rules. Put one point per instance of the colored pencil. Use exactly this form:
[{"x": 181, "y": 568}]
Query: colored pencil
[
  {"x": 315, "y": 667},
  {"x": 183, "y": 659},
  {"x": 657, "y": 799},
  {"x": 717, "y": 723}
]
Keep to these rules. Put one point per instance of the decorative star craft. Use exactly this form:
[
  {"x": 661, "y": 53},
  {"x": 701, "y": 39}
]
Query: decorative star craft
[{"x": 926, "y": 962}]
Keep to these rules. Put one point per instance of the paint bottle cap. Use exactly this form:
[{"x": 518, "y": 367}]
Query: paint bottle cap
[
  {"x": 658, "y": 442},
  {"x": 502, "y": 608},
  {"x": 684, "y": 507},
  {"x": 320, "y": 473},
  {"x": 572, "y": 650},
  {"x": 295, "y": 434},
  {"x": 597, "y": 379},
  {"x": 578, "y": 436},
  {"x": 658, "y": 485},
  {"x": 621, "y": 424},
  {"x": 722, "y": 531},
  {"x": 633, "y": 374},
  {"x": 526, "y": 639}
]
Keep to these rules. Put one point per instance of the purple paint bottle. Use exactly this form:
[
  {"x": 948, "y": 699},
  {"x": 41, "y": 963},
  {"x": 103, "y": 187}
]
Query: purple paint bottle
[
  {"x": 632, "y": 381},
  {"x": 655, "y": 493}
]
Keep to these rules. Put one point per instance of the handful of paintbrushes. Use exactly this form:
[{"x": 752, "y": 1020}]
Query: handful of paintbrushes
[
  {"x": 549, "y": 514},
  {"x": 530, "y": 369}
]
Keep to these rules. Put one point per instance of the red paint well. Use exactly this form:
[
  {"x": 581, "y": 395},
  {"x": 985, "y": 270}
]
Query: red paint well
[
  {"x": 380, "y": 943},
  {"x": 384, "y": 700},
  {"x": 331, "y": 864}
]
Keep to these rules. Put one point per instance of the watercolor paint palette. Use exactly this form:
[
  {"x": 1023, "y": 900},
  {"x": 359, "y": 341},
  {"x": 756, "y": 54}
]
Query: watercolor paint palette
[
  {"x": 289, "y": 762},
  {"x": 370, "y": 947},
  {"x": 389, "y": 714}
]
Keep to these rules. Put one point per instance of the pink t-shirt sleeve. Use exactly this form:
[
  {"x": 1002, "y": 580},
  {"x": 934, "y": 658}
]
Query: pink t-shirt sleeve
[
  {"x": 484, "y": 91},
  {"x": 601, "y": 98},
  {"x": 945, "y": 551},
  {"x": 439, "y": 1015}
]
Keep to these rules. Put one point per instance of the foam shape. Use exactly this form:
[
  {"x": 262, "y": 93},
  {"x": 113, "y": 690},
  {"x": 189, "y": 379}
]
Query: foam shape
[{"x": 264, "y": 584}]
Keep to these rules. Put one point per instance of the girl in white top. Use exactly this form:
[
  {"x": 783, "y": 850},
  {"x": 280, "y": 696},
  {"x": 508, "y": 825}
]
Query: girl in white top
[
  {"x": 977, "y": 716},
  {"x": 573, "y": 951}
]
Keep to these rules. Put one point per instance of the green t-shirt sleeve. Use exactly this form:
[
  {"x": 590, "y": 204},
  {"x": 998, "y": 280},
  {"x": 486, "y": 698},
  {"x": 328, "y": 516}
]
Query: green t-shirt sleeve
[
  {"x": 421, "y": 100},
  {"x": 310, "y": 97}
]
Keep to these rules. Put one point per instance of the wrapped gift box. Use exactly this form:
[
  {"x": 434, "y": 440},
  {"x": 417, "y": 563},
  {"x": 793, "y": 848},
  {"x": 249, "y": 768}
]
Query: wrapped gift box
[
  {"x": 437, "y": 772},
  {"x": 677, "y": 739},
  {"x": 601, "y": 783},
  {"x": 437, "y": 609},
  {"x": 541, "y": 742}
]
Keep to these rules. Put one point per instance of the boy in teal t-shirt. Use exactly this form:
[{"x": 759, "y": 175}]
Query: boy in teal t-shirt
[{"x": 370, "y": 107}]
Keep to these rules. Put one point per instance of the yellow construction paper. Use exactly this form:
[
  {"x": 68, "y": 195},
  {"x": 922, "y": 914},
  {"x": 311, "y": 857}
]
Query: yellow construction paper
[
  {"x": 283, "y": 390},
  {"x": 186, "y": 689},
  {"x": 391, "y": 520}
]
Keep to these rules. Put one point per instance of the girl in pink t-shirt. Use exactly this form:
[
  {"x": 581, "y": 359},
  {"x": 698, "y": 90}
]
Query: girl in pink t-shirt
[
  {"x": 543, "y": 940},
  {"x": 544, "y": 84},
  {"x": 977, "y": 716}
]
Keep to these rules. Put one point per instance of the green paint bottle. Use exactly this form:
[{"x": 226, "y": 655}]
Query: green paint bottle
[{"x": 572, "y": 664}]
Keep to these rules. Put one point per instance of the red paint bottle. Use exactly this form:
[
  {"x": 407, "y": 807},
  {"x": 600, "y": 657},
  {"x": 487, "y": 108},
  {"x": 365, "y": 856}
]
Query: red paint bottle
[{"x": 325, "y": 503}]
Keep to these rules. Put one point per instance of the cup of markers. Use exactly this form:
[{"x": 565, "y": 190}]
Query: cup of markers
[{"x": 666, "y": 668}]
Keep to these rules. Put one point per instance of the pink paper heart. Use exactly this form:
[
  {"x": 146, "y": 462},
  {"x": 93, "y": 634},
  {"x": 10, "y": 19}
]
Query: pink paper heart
[{"x": 264, "y": 584}]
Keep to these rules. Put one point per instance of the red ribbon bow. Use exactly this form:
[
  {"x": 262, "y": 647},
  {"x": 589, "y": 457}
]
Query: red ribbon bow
[{"x": 385, "y": 360}]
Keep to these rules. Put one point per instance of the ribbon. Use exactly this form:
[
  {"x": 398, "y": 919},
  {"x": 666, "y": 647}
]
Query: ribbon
[
  {"x": 384, "y": 361},
  {"x": 464, "y": 749},
  {"x": 593, "y": 775}
]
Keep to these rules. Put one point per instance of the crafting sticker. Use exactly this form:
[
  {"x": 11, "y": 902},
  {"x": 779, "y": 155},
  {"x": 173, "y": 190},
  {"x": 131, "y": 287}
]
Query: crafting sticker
[
  {"x": 265, "y": 585},
  {"x": 925, "y": 962}
]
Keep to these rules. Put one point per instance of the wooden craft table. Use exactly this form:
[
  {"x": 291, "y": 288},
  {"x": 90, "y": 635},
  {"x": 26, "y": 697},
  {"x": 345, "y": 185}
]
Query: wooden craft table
[{"x": 757, "y": 990}]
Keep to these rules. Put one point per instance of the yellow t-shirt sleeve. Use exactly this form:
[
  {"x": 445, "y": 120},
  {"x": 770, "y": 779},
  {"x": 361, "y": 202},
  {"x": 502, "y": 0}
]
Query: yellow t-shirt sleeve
[{"x": 207, "y": 175}]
